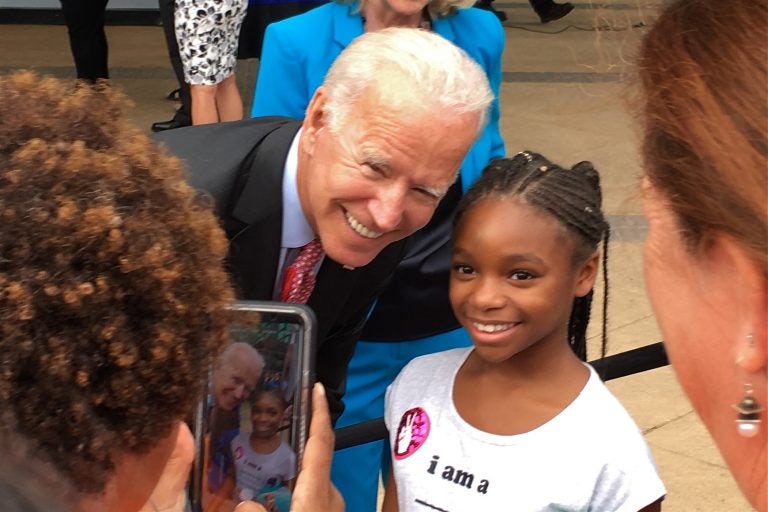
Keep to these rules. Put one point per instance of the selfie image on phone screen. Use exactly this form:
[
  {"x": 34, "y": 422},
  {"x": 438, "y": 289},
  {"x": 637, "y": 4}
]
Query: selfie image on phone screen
[{"x": 252, "y": 425}]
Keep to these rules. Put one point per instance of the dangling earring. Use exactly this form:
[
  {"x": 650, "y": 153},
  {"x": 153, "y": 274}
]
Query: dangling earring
[{"x": 748, "y": 419}]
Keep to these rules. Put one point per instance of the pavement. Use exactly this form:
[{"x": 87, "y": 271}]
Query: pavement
[{"x": 567, "y": 93}]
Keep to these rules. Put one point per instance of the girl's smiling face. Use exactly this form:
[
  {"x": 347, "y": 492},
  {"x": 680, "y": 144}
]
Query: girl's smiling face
[
  {"x": 513, "y": 277},
  {"x": 266, "y": 414}
]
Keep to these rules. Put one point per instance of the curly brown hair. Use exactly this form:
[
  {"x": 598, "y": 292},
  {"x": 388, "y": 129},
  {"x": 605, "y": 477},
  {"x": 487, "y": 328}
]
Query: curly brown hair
[{"x": 112, "y": 284}]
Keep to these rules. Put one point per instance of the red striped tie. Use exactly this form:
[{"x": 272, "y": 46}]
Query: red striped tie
[{"x": 299, "y": 279}]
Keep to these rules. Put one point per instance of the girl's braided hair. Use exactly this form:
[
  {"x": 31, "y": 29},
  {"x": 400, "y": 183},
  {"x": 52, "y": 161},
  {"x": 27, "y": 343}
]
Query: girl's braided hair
[{"x": 573, "y": 197}]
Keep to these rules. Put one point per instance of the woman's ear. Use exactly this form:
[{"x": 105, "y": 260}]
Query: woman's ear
[
  {"x": 587, "y": 274},
  {"x": 744, "y": 282}
]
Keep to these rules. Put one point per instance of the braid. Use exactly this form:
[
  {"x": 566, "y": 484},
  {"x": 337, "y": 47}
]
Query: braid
[{"x": 573, "y": 197}]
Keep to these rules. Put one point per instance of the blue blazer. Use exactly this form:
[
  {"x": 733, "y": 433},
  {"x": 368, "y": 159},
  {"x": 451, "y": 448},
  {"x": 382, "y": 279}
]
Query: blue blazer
[{"x": 298, "y": 52}]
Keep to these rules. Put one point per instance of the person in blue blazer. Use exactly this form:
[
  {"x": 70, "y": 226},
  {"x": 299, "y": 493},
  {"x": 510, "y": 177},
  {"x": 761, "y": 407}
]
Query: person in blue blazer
[{"x": 413, "y": 316}]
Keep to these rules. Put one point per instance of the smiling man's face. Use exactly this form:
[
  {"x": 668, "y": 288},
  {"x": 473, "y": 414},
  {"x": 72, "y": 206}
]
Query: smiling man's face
[{"x": 379, "y": 179}]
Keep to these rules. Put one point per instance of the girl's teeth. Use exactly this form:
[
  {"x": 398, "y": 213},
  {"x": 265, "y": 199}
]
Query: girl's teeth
[{"x": 492, "y": 327}]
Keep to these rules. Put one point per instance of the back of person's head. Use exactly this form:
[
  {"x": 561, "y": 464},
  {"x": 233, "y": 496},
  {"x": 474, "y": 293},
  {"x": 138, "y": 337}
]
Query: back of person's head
[
  {"x": 704, "y": 70},
  {"x": 413, "y": 72},
  {"x": 571, "y": 196},
  {"x": 113, "y": 293}
]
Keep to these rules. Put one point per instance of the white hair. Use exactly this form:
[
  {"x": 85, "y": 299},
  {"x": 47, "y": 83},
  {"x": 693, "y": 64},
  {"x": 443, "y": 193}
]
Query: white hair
[
  {"x": 410, "y": 69},
  {"x": 241, "y": 350}
]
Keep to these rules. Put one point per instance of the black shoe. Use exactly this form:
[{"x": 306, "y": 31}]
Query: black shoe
[
  {"x": 167, "y": 125},
  {"x": 486, "y": 5},
  {"x": 555, "y": 12}
]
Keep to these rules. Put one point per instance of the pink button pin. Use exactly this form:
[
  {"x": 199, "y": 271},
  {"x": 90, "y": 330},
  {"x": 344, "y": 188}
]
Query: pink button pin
[{"x": 411, "y": 432}]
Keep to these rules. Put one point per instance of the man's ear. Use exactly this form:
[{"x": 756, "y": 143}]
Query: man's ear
[
  {"x": 314, "y": 121},
  {"x": 587, "y": 275}
]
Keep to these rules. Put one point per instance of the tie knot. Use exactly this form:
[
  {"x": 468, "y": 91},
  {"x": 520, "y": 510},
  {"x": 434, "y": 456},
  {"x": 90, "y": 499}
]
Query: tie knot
[
  {"x": 311, "y": 252},
  {"x": 299, "y": 279}
]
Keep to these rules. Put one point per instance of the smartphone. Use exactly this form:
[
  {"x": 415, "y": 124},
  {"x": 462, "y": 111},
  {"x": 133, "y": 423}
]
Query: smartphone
[{"x": 251, "y": 428}]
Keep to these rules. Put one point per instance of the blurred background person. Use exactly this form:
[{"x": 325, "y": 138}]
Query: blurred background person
[
  {"x": 207, "y": 33},
  {"x": 704, "y": 70},
  {"x": 87, "y": 39},
  {"x": 183, "y": 114},
  {"x": 547, "y": 10},
  {"x": 113, "y": 295}
]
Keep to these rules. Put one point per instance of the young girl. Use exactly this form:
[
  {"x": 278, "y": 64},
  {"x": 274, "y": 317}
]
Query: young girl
[
  {"x": 519, "y": 422},
  {"x": 265, "y": 465}
]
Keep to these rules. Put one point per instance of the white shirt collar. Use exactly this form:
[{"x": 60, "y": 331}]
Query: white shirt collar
[{"x": 296, "y": 230}]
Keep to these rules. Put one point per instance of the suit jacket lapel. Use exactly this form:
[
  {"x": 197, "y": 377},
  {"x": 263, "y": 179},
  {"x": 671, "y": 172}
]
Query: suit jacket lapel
[{"x": 255, "y": 249}]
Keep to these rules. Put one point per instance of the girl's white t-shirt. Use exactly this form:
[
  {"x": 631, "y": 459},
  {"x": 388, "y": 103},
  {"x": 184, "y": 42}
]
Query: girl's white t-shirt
[{"x": 590, "y": 457}]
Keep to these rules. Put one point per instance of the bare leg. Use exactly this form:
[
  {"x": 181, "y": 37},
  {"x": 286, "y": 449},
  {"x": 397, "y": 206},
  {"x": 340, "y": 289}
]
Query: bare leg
[
  {"x": 204, "y": 104},
  {"x": 228, "y": 101}
]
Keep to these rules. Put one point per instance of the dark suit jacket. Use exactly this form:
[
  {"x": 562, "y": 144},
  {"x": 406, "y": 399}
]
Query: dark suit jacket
[{"x": 241, "y": 165}]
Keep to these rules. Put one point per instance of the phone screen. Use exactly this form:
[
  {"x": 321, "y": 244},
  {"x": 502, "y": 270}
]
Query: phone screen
[{"x": 251, "y": 427}]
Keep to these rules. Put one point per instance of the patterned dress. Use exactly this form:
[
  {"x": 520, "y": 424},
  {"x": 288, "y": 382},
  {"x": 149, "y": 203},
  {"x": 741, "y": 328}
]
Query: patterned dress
[{"x": 207, "y": 32}]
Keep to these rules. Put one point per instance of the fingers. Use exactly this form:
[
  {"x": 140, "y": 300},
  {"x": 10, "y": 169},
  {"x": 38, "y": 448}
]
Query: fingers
[
  {"x": 319, "y": 449},
  {"x": 314, "y": 490}
]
